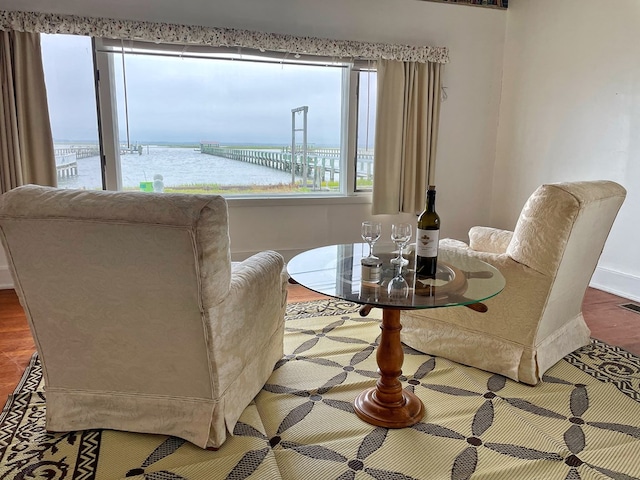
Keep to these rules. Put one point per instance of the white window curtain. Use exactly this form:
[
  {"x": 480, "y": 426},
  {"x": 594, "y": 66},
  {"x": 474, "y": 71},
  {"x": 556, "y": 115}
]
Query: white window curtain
[
  {"x": 26, "y": 143},
  {"x": 408, "y": 113}
]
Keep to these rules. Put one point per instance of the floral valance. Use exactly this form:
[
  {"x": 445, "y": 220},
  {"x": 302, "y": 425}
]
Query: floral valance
[
  {"x": 503, "y": 4},
  {"x": 228, "y": 37}
]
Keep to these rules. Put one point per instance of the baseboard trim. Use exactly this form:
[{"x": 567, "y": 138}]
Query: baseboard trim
[{"x": 617, "y": 283}]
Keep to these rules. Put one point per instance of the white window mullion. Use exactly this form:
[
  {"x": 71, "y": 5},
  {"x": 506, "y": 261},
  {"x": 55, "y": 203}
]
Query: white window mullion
[
  {"x": 349, "y": 131},
  {"x": 108, "y": 117}
]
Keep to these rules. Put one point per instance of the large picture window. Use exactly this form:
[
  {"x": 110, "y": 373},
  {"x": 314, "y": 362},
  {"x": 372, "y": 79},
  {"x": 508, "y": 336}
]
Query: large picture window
[
  {"x": 204, "y": 120},
  {"x": 71, "y": 97}
]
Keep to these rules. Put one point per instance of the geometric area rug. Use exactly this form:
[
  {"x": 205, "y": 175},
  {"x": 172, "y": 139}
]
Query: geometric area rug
[{"x": 581, "y": 422}]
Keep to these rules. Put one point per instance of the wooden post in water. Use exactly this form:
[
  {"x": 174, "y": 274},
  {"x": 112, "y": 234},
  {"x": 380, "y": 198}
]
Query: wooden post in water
[
  {"x": 304, "y": 110},
  {"x": 293, "y": 146}
]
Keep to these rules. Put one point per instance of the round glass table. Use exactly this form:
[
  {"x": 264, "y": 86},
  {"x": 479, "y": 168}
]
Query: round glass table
[{"x": 336, "y": 271}]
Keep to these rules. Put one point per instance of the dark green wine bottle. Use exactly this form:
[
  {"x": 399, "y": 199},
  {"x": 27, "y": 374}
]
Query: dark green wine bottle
[{"x": 427, "y": 237}]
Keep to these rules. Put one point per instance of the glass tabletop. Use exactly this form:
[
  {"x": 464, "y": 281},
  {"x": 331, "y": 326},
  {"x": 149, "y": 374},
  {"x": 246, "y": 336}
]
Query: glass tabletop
[{"x": 335, "y": 270}]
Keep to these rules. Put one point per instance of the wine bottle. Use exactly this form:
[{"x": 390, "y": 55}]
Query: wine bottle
[{"x": 427, "y": 237}]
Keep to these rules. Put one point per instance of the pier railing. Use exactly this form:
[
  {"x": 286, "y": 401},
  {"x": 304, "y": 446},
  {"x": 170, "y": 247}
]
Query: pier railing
[
  {"x": 67, "y": 158},
  {"x": 66, "y": 164},
  {"x": 80, "y": 152},
  {"x": 321, "y": 164}
]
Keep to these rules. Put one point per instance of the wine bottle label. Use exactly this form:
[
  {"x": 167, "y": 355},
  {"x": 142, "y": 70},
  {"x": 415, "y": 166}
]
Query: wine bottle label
[{"x": 427, "y": 243}]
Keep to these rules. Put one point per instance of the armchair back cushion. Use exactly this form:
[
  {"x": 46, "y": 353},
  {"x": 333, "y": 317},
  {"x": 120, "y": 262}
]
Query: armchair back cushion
[{"x": 121, "y": 291}]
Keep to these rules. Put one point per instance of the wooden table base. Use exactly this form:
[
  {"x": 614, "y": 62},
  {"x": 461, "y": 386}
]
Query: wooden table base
[{"x": 387, "y": 404}]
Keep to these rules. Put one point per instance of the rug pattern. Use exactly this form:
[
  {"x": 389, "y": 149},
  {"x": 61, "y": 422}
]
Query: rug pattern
[{"x": 581, "y": 422}]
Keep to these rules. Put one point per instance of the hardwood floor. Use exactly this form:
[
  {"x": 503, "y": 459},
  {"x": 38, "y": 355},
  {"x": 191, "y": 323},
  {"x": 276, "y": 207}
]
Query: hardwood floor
[
  {"x": 606, "y": 319},
  {"x": 16, "y": 343},
  {"x": 611, "y": 323}
]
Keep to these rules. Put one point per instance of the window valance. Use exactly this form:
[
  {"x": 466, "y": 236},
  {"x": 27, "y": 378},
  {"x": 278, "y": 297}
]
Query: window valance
[
  {"x": 501, "y": 4},
  {"x": 200, "y": 35}
]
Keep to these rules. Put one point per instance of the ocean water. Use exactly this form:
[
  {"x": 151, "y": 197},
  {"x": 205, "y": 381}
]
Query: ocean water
[{"x": 178, "y": 166}]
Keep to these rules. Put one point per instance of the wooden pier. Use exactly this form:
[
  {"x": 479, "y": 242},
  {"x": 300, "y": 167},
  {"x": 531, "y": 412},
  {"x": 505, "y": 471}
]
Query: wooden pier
[
  {"x": 319, "y": 163},
  {"x": 66, "y": 164},
  {"x": 67, "y": 158},
  {"x": 79, "y": 152}
]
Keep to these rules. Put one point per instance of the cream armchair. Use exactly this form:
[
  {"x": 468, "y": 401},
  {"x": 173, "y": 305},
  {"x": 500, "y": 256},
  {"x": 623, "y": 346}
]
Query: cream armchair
[
  {"x": 140, "y": 319},
  {"x": 547, "y": 262}
]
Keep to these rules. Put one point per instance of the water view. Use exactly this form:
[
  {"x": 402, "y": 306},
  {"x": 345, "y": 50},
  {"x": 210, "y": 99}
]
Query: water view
[{"x": 179, "y": 166}]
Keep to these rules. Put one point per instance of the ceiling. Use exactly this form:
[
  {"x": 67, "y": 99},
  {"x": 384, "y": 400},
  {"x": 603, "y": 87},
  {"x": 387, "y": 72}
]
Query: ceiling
[
  {"x": 235, "y": 13},
  {"x": 386, "y": 21}
]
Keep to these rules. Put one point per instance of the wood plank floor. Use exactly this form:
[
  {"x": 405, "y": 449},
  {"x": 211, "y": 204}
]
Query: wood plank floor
[
  {"x": 606, "y": 319},
  {"x": 16, "y": 343}
]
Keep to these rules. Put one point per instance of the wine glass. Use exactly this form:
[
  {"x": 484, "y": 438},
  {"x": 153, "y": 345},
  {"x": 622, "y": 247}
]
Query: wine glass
[
  {"x": 400, "y": 235},
  {"x": 398, "y": 288},
  {"x": 371, "y": 232}
]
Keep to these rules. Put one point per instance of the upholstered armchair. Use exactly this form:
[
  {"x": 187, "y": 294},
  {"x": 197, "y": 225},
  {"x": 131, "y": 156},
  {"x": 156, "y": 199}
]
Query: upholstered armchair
[
  {"x": 547, "y": 261},
  {"x": 141, "y": 321}
]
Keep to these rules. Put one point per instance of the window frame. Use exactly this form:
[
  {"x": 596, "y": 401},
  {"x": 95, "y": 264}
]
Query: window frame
[{"x": 104, "y": 51}]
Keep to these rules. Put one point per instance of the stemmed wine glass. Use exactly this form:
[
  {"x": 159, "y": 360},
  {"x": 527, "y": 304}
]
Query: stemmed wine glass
[
  {"x": 400, "y": 235},
  {"x": 371, "y": 232},
  {"x": 398, "y": 288}
]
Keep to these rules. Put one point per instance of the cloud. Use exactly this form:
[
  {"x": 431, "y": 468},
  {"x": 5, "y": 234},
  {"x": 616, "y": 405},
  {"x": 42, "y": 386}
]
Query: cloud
[
  {"x": 186, "y": 100},
  {"x": 68, "y": 68},
  {"x": 228, "y": 100}
]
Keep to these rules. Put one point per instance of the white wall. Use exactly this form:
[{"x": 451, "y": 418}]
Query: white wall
[
  {"x": 571, "y": 111},
  {"x": 469, "y": 116},
  {"x": 294, "y": 228}
]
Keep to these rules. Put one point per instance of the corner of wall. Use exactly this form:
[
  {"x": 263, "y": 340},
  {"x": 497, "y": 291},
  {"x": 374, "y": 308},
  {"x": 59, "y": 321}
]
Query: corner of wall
[{"x": 617, "y": 283}]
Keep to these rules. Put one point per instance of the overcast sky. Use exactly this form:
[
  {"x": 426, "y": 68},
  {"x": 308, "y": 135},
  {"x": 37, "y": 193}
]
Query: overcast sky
[{"x": 188, "y": 100}]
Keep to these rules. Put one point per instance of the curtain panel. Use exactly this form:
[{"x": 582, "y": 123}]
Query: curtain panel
[
  {"x": 407, "y": 120},
  {"x": 26, "y": 143}
]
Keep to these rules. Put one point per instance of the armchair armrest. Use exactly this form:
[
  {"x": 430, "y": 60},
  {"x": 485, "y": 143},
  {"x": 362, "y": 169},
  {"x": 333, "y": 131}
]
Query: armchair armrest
[
  {"x": 245, "y": 334},
  {"x": 490, "y": 240},
  {"x": 243, "y": 326},
  {"x": 262, "y": 268}
]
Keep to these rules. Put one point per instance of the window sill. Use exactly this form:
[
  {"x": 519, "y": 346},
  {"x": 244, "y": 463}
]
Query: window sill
[{"x": 299, "y": 201}]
